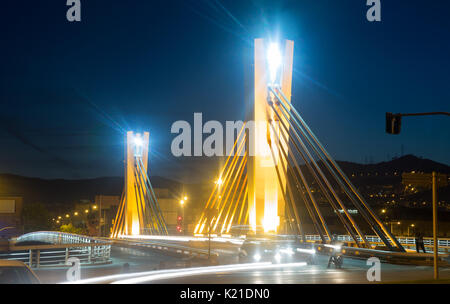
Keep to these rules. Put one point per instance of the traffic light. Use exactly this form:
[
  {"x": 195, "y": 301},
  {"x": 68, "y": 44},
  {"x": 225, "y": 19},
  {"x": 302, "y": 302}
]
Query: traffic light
[
  {"x": 179, "y": 223},
  {"x": 393, "y": 123}
]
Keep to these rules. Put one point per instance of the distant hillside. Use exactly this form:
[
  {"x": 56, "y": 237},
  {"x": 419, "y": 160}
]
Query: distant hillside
[
  {"x": 60, "y": 191},
  {"x": 405, "y": 163}
]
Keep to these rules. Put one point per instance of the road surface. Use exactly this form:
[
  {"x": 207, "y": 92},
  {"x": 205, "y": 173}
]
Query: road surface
[{"x": 353, "y": 271}]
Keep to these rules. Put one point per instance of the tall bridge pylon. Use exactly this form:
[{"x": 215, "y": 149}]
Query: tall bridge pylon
[
  {"x": 139, "y": 211},
  {"x": 287, "y": 175}
]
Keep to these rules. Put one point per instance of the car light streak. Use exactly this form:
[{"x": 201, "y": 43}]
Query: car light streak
[
  {"x": 182, "y": 238},
  {"x": 207, "y": 270},
  {"x": 310, "y": 251}
]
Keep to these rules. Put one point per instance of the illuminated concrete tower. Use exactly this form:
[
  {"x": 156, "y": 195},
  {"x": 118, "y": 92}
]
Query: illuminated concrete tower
[
  {"x": 139, "y": 211},
  {"x": 137, "y": 147},
  {"x": 272, "y": 67}
]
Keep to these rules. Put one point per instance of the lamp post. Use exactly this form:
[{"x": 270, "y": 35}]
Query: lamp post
[
  {"x": 182, "y": 202},
  {"x": 210, "y": 214},
  {"x": 412, "y": 226},
  {"x": 435, "y": 240},
  {"x": 392, "y": 223}
]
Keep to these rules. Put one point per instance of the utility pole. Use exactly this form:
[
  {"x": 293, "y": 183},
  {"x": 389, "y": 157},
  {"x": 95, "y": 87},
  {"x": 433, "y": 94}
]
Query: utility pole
[
  {"x": 435, "y": 240},
  {"x": 210, "y": 214},
  {"x": 209, "y": 240},
  {"x": 393, "y": 126},
  {"x": 100, "y": 218}
]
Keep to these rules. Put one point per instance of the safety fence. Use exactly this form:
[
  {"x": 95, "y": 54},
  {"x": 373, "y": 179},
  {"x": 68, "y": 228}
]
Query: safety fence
[
  {"x": 166, "y": 248},
  {"x": 408, "y": 242},
  {"x": 61, "y": 246}
]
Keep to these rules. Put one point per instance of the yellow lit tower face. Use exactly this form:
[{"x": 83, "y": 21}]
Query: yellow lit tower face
[
  {"x": 137, "y": 147},
  {"x": 272, "y": 67}
]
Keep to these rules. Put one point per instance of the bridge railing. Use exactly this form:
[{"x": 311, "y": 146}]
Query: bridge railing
[
  {"x": 406, "y": 241},
  {"x": 61, "y": 247},
  {"x": 168, "y": 248},
  {"x": 56, "y": 237}
]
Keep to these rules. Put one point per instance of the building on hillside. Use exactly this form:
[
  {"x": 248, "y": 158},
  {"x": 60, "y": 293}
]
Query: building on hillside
[
  {"x": 418, "y": 181},
  {"x": 11, "y": 223}
]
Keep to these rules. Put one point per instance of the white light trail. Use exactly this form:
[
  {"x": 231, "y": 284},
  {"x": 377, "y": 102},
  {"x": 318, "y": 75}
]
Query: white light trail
[
  {"x": 310, "y": 251},
  {"x": 206, "y": 270},
  {"x": 183, "y": 238},
  {"x": 335, "y": 247}
]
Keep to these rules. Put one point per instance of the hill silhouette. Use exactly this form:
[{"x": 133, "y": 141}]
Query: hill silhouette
[{"x": 61, "y": 191}]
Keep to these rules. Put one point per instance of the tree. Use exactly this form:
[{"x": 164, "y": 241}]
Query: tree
[{"x": 69, "y": 228}]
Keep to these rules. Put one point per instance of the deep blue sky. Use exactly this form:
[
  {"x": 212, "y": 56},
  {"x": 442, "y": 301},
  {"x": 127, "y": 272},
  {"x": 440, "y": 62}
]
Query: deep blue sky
[{"x": 68, "y": 90}]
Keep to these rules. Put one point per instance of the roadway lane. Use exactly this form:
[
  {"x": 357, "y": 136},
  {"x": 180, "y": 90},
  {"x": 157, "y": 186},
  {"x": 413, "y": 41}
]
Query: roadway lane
[{"x": 353, "y": 272}]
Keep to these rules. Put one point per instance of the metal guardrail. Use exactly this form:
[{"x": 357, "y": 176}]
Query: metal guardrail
[
  {"x": 171, "y": 248},
  {"x": 443, "y": 243},
  {"x": 56, "y": 237},
  {"x": 61, "y": 247}
]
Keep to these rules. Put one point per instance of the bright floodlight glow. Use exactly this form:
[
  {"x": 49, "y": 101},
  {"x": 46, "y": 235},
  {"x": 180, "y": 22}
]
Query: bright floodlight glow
[
  {"x": 219, "y": 181},
  {"x": 138, "y": 140},
  {"x": 274, "y": 60},
  {"x": 257, "y": 257}
]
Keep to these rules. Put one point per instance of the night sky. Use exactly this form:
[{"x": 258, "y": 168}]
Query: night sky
[{"x": 68, "y": 91}]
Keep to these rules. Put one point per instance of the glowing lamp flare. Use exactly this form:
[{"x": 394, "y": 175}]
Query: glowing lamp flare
[
  {"x": 274, "y": 60},
  {"x": 138, "y": 141}
]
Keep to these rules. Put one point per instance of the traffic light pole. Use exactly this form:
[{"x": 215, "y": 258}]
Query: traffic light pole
[
  {"x": 425, "y": 114},
  {"x": 182, "y": 223},
  {"x": 394, "y": 121}
]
